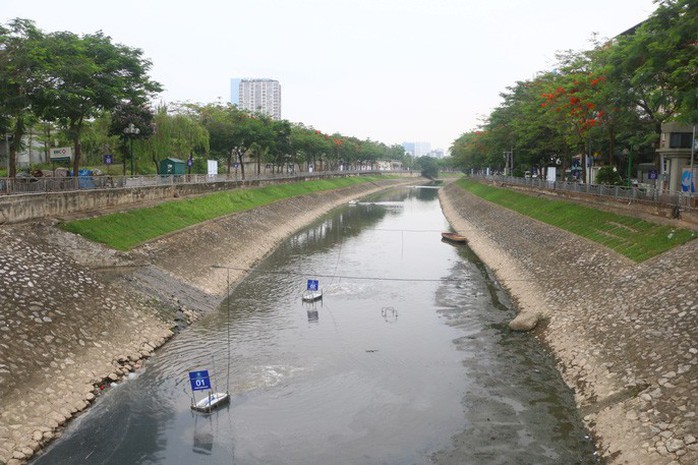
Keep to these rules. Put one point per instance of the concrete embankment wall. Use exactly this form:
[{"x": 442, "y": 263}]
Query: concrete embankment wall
[
  {"x": 24, "y": 207},
  {"x": 624, "y": 334},
  {"x": 76, "y": 316}
]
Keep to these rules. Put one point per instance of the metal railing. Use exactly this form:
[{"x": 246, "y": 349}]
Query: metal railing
[
  {"x": 48, "y": 184},
  {"x": 645, "y": 193}
]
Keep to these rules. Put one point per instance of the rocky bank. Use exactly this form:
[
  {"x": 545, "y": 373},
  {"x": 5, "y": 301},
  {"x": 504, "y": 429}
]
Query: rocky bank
[
  {"x": 625, "y": 335},
  {"x": 76, "y": 317}
]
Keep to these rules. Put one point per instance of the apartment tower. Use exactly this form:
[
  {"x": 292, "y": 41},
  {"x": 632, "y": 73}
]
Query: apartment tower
[{"x": 257, "y": 95}]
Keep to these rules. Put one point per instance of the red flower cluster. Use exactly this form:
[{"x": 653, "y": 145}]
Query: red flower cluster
[
  {"x": 580, "y": 112},
  {"x": 597, "y": 80}
]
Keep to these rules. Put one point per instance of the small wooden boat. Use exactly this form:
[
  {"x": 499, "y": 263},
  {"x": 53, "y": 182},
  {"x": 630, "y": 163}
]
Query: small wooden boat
[
  {"x": 453, "y": 237},
  {"x": 211, "y": 402}
]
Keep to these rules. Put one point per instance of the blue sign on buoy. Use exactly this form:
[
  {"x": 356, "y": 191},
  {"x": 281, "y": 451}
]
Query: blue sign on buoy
[
  {"x": 313, "y": 285},
  {"x": 199, "y": 380}
]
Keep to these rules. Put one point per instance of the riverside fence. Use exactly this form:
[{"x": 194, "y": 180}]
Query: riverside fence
[
  {"x": 649, "y": 195},
  {"x": 50, "y": 184}
]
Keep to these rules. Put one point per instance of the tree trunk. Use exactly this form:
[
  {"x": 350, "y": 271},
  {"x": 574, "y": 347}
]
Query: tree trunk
[
  {"x": 242, "y": 165},
  {"x": 75, "y": 136}
]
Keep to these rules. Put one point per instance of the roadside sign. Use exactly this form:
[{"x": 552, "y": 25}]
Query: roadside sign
[
  {"x": 190, "y": 162},
  {"x": 61, "y": 154},
  {"x": 313, "y": 285},
  {"x": 199, "y": 380},
  {"x": 652, "y": 174},
  {"x": 108, "y": 159}
]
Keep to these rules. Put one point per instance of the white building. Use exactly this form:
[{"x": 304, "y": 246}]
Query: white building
[
  {"x": 417, "y": 149},
  {"x": 257, "y": 95}
]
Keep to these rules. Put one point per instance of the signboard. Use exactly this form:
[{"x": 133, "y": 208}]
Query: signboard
[
  {"x": 551, "y": 174},
  {"x": 688, "y": 181},
  {"x": 108, "y": 159},
  {"x": 61, "y": 154},
  {"x": 212, "y": 167},
  {"x": 652, "y": 174},
  {"x": 313, "y": 285},
  {"x": 199, "y": 380}
]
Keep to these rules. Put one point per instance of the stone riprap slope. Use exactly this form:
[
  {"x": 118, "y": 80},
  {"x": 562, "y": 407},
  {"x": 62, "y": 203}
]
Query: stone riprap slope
[
  {"x": 76, "y": 316},
  {"x": 625, "y": 334}
]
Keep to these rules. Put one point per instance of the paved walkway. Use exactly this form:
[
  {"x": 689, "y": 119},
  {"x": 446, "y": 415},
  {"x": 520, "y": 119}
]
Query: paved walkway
[{"x": 625, "y": 334}]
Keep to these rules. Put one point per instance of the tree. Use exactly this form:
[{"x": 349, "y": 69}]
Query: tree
[
  {"x": 428, "y": 166},
  {"x": 309, "y": 144},
  {"x": 22, "y": 73},
  {"x": 125, "y": 114},
  {"x": 89, "y": 75},
  {"x": 657, "y": 63},
  {"x": 232, "y": 132}
]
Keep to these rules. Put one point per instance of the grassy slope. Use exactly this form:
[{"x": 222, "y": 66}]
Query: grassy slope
[
  {"x": 636, "y": 239},
  {"x": 128, "y": 229}
]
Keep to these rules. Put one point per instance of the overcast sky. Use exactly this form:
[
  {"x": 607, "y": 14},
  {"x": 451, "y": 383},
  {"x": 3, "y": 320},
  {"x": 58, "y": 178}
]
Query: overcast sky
[{"x": 388, "y": 70}]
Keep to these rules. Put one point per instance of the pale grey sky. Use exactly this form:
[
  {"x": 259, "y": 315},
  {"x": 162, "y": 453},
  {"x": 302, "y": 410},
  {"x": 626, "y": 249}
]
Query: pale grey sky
[{"x": 388, "y": 70}]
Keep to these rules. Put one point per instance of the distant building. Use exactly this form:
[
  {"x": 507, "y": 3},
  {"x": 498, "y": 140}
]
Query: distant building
[
  {"x": 417, "y": 149},
  {"x": 438, "y": 153},
  {"x": 235, "y": 91},
  {"x": 257, "y": 95}
]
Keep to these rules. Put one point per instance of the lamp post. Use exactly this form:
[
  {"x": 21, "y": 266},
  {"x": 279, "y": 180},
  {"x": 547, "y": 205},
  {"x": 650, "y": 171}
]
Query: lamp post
[{"x": 131, "y": 132}]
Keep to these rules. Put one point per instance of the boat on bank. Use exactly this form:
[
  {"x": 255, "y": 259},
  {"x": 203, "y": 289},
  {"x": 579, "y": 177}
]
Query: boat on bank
[{"x": 453, "y": 237}]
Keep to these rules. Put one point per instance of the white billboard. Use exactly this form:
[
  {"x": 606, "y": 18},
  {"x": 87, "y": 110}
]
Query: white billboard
[
  {"x": 212, "y": 167},
  {"x": 61, "y": 154}
]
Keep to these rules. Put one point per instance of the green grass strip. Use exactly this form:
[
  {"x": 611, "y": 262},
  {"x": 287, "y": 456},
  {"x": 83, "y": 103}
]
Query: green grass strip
[
  {"x": 128, "y": 229},
  {"x": 631, "y": 237}
]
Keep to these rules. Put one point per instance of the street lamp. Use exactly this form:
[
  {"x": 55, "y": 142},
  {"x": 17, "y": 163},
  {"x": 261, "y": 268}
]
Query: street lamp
[{"x": 131, "y": 132}]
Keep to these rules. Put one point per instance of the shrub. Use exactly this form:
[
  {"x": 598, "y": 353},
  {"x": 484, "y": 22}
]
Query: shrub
[{"x": 609, "y": 176}]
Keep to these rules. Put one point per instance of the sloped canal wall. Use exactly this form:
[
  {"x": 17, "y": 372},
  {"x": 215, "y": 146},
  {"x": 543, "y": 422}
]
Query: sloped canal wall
[
  {"x": 76, "y": 317},
  {"x": 625, "y": 335}
]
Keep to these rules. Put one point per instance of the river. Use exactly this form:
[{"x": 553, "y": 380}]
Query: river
[{"x": 407, "y": 359}]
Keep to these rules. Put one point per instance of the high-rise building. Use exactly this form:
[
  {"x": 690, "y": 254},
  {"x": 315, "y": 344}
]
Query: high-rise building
[
  {"x": 235, "y": 91},
  {"x": 417, "y": 149},
  {"x": 257, "y": 95}
]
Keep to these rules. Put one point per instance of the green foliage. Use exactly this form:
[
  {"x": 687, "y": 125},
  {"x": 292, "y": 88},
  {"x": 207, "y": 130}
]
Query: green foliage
[
  {"x": 601, "y": 101},
  {"x": 636, "y": 239},
  {"x": 429, "y": 167},
  {"x": 92, "y": 89},
  {"x": 609, "y": 176},
  {"x": 126, "y": 230}
]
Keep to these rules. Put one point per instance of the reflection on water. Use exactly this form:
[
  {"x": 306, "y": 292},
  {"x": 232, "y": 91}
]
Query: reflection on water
[{"x": 407, "y": 359}]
